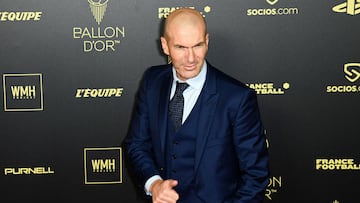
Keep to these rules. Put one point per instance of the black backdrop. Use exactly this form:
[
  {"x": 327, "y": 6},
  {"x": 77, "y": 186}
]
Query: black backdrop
[{"x": 69, "y": 80}]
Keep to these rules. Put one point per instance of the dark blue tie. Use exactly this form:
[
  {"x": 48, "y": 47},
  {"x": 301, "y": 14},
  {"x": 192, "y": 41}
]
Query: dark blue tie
[{"x": 176, "y": 105}]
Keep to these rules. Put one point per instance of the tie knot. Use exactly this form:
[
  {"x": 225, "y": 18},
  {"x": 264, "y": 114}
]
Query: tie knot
[{"x": 181, "y": 87}]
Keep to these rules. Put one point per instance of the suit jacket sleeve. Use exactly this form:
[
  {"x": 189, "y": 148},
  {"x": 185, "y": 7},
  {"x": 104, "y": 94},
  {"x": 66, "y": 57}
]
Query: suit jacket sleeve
[
  {"x": 137, "y": 144},
  {"x": 250, "y": 146}
]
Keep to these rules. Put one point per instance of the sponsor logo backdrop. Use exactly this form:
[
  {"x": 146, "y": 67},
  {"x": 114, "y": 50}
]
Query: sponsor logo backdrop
[{"x": 70, "y": 70}]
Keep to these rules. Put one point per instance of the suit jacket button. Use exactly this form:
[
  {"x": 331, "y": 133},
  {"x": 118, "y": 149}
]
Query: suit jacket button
[
  {"x": 174, "y": 156},
  {"x": 174, "y": 171}
]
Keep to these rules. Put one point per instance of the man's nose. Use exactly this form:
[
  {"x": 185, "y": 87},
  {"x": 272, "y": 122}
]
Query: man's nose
[{"x": 191, "y": 55}]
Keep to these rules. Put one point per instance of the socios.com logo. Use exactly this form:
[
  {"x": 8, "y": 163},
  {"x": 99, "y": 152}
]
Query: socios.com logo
[
  {"x": 350, "y": 7},
  {"x": 352, "y": 74},
  {"x": 272, "y": 10},
  {"x": 272, "y": 2},
  {"x": 352, "y": 71}
]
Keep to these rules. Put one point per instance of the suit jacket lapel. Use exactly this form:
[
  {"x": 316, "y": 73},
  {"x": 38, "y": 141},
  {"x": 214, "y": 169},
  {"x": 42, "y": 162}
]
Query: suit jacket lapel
[
  {"x": 208, "y": 99},
  {"x": 165, "y": 88}
]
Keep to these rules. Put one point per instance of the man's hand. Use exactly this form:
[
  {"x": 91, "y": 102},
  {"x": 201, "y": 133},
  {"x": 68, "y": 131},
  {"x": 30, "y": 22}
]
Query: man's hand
[{"x": 162, "y": 191}]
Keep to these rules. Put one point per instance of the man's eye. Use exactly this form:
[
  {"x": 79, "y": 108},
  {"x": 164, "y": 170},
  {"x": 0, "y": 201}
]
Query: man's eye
[{"x": 198, "y": 45}]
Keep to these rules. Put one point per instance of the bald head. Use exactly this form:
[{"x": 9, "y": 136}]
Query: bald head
[
  {"x": 185, "y": 18},
  {"x": 185, "y": 42}
]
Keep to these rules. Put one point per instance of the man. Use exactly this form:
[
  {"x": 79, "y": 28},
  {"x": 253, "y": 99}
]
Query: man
[{"x": 218, "y": 153}]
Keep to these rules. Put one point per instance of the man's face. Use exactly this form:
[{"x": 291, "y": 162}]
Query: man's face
[{"x": 187, "y": 46}]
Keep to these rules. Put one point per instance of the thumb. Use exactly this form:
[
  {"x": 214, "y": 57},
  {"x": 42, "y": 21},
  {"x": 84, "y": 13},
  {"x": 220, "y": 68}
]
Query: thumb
[{"x": 173, "y": 183}]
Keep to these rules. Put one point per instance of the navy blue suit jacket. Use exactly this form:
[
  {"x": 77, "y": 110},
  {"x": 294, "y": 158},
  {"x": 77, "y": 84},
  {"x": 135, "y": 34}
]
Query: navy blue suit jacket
[{"x": 231, "y": 159}]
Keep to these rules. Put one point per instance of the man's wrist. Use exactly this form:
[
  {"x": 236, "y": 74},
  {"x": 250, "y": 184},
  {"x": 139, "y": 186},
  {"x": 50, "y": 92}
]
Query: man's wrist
[{"x": 149, "y": 183}]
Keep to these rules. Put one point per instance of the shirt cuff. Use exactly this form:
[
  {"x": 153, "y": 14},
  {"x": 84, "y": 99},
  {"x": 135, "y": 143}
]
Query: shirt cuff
[{"x": 149, "y": 182}]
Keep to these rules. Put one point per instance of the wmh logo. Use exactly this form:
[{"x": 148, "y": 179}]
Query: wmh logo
[
  {"x": 103, "y": 165},
  {"x": 23, "y": 92}
]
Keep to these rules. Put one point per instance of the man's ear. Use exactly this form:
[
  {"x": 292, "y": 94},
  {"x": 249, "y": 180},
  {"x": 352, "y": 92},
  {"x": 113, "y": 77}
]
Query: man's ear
[
  {"x": 207, "y": 39},
  {"x": 164, "y": 45}
]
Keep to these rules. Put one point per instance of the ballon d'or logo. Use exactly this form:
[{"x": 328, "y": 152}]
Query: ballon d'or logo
[
  {"x": 98, "y": 9},
  {"x": 272, "y": 2}
]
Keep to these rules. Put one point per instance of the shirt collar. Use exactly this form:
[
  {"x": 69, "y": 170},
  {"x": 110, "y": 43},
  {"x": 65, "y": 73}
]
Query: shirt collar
[{"x": 196, "y": 82}]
